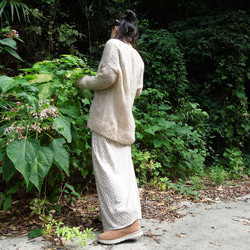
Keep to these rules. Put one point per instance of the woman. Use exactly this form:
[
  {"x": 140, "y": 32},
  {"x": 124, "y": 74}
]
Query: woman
[{"x": 118, "y": 81}]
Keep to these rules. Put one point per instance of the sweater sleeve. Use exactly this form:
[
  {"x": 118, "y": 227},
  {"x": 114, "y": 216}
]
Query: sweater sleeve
[{"x": 107, "y": 71}]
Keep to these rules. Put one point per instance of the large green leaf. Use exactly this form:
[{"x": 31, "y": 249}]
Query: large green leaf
[
  {"x": 63, "y": 126},
  {"x": 7, "y": 83},
  {"x": 70, "y": 110},
  {"x": 8, "y": 42},
  {"x": 47, "y": 89},
  {"x": 7, "y": 203},
  {"x": 13, "y": 52},
  {"x": 33, "y": 101},
  {"x": 41, "y": 166},
  {"x": 8, "y": 168},
  {"x": 31, "y": 160},
  {"x": 42, "y": 78},
  {"x": 61, "y": 156},
  {"x": 184, "y": 130},
  {"x": 23, "y": 153},
  {"x": 35, "y": 233},
  {"x": 153, "y": 129}
]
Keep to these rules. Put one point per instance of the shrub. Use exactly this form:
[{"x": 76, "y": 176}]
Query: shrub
[
  {"x": 216, "y": 49},
  {"x": 175, "y": 137},
  {"x": 164, "y": 65},
  {"x": 8, "y": 46},
  {"x": 43, "y": 119}
]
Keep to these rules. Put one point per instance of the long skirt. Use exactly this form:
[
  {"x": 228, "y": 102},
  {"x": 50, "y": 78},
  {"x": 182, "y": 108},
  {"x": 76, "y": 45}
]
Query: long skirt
[{"x": 116, "y": 184}]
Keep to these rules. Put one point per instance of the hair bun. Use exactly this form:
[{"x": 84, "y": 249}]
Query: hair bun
[{"x": 130, "y": 16}]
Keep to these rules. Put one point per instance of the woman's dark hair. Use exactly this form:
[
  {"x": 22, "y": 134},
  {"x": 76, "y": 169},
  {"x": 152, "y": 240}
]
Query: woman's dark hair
[{"x": 127, "y": 29}]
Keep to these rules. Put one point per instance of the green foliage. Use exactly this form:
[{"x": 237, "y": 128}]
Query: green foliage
[
  {"x": 54, "y": 228},
  {"x": 197, "y": 182},
  {"x": 67, "y": 193},
  {"x": 43, "y": 117},
  {"x": 35, "y": 233},
  {"x": 165, "y": 67},
  {"x": 147, "y": 170},
  {"x": 71, "y": 233},
  {"x": 235, "y": 162},
  {"x": 217, "y": 49},
  {"x": 179, "y": 148},
  {"x": 203, "y": 55},
  {"x": 218, "y": 175},
  {"x": 45, "y": 208},
  {"x": 6, "y": 197},
  {"x": 183, "y": 188},
  {"x": 11, "y": 8},
  {"x": 8, "y": 44},
  {"x": 58, "y": 229},
  {"x": 50, "y": 36},
  {"x": 42, "y": 208}
]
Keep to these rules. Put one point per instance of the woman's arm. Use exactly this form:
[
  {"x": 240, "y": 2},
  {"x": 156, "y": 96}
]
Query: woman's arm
[{"x": 108, "y": 70}]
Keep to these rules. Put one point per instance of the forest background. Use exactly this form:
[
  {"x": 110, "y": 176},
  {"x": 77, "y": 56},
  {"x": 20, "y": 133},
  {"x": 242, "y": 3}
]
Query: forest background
[{"x": 192, "y": 120}]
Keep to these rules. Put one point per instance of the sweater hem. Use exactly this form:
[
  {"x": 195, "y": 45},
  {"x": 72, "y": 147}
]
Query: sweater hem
[{"x": 108, "y": 135}]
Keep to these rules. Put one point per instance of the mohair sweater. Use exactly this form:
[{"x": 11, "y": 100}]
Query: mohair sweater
[{"x": 118, "y": 81}]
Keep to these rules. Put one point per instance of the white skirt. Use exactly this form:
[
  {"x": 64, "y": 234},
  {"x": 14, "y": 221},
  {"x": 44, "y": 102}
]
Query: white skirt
[{"x": 116, "y": 183}]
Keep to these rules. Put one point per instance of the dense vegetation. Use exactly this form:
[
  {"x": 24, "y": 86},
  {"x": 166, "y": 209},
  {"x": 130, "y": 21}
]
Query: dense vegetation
[{"x": 192, "y": 118}]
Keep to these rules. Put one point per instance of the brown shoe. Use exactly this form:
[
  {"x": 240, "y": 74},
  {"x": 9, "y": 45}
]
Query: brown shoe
[{"x": 116, "y": 236}]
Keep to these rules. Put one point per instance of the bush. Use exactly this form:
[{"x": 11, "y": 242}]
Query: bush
[
  {"x": 174, "y": 137},
  {"x": 217, "y": 49},
  {"x": 164, "y": 64},
  {"x": 43, "y": 118},
  {"x": 169, "y": 125}
]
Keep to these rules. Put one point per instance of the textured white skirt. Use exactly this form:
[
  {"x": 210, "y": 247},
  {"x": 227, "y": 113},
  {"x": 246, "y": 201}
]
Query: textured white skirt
[{"x": 116, "y": 183}]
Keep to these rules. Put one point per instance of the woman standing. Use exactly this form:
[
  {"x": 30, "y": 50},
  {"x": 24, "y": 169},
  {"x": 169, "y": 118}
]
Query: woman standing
[{"x": 118, "y": 81}]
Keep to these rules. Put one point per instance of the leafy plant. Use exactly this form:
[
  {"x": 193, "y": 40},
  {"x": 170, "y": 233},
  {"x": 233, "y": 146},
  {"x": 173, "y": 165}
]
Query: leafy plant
[
  {"x": 146, "y": 168},
  {"x": 67, "y": 192},
  {"x": 42, "y": 120},
  {"x": 218, "y": 175},
  {"x": 8, "y": 44},
  {"x": 42, "y": 208},
  {"x": 216, "y": 48},
  {"x": 45, "y": 208},
  {"x": 183, "y": 188},
  {"x": 6, "y": 197},
  {"x": 10, "y": 8},
  {"x": 71, "y": 233},
  {"x": 165, "y": 66},
  {"x": 54, "y": 228},
  {"x": 197, "y": 182},
  {"x": 236, "y": 162},
  {"x": 178, "y": 147}
]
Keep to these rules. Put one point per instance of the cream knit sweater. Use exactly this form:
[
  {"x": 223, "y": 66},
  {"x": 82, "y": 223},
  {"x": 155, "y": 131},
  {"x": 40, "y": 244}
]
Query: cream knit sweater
[{"x": 118, "y": 81}]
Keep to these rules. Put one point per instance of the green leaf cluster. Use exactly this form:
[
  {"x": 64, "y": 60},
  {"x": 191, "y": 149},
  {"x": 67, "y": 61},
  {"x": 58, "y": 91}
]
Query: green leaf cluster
[
  {"x": 58, "y": 229},
  {"x": 194, "y": 111},
  {"x": 217, "y": 51},
  {"x": 43, "y": 117},
  {"x": 175, "y": 138},
  {"x": 7, "y": 44},
  {"x": 164, "y": 64}
]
